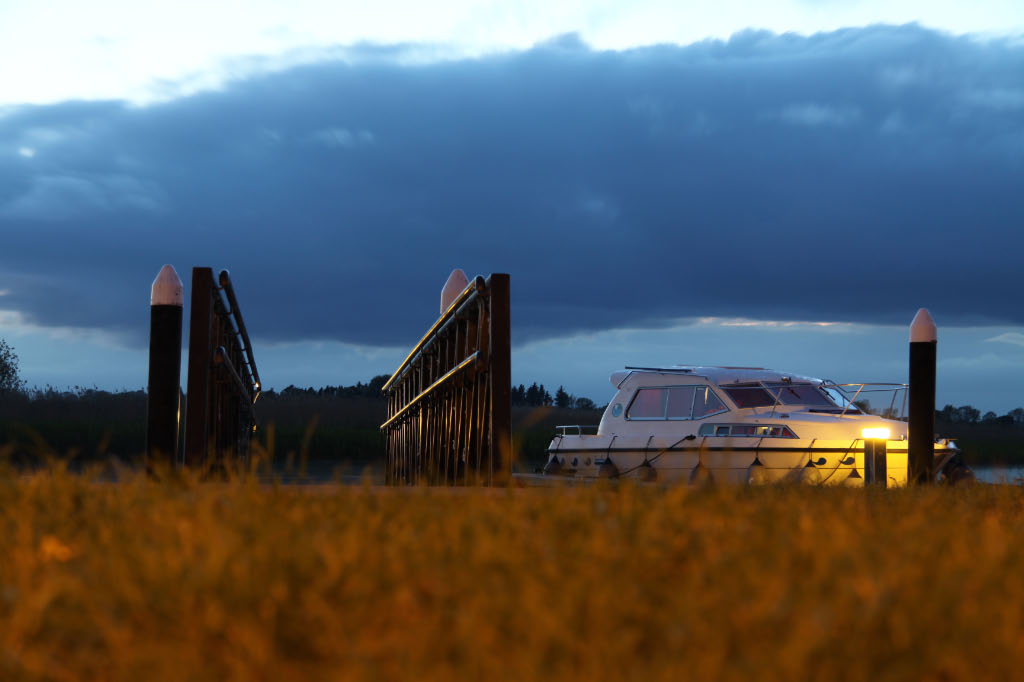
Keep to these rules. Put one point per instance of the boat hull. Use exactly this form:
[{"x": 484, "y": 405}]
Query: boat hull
[{"x": 736, "y": 461}]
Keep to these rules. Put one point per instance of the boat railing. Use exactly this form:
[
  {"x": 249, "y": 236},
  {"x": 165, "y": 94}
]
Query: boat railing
[
  {"x": 576, "y": 430},
  {"x": 842, "y": 399}
]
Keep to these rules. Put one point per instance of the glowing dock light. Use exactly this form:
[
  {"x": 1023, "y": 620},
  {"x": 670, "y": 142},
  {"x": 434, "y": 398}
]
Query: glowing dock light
[{"x": 876, "y": 469}]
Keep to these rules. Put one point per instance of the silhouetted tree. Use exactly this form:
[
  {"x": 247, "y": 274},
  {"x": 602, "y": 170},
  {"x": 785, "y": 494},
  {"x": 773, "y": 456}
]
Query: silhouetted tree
[
  {"x": 534, "y": 395},
  {"x": 10, "y": 380},
  {"x": 563, "y": 399},
  {"x": 967, "y": 414},
  {"x": 377, "y": 383}
]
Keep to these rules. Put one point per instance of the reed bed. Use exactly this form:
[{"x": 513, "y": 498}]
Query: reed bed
[{"x": 189, "y": 580}]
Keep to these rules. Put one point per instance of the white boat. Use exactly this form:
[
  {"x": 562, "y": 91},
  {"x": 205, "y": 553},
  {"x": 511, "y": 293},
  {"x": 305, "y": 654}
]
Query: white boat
[{"x": 741, "y": 425}]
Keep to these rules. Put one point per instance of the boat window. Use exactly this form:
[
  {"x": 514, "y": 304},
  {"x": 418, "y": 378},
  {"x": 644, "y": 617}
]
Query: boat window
[
  {"x": 706, "y": 403},
  {"x": 800, "y": 394},
  {"x": 747, "y": 430},
  {"x": 680, "y": 402},
  {"x": 674, "y": 402},
  {"x": 649, "y": 403},
  {"x": 750, "y": 396}
]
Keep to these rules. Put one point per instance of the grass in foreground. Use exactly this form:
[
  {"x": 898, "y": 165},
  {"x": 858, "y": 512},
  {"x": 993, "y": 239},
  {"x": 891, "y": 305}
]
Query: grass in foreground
[{"x": 202, "y": 581}]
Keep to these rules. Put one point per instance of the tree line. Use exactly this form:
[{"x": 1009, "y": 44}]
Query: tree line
[
  {"x": 535, "y": 395},
  {"x": 357, "y": 390},
  {"x": 966, "y": 414},
  {"x": 521, "y": 396},
  {"x": 538, "y": 396}
]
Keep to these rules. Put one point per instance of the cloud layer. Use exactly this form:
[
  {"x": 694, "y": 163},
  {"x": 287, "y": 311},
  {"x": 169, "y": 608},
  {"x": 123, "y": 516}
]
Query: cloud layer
[{"x": 847, "y": 176}]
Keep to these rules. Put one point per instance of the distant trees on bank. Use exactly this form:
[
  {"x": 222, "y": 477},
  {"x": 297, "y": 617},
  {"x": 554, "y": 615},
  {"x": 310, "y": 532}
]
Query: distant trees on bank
[
  {"x": 521, "y": 396},
  {"x": 966, "y": 414},
  {"x": 358, "y": 390},
  {"x": 538, "y": 396}
]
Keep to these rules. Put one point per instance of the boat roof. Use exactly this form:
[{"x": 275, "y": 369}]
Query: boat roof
[{"x": 718, "y": 375}]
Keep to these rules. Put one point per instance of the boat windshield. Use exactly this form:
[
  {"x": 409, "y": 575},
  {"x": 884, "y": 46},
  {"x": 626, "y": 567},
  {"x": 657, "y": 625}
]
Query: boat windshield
[
  {"x": 767, "y": 395},
  {"x": 800, "y": 394}
]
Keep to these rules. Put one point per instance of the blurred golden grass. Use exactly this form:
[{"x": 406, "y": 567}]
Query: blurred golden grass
[{"x": 185, "y": 580}]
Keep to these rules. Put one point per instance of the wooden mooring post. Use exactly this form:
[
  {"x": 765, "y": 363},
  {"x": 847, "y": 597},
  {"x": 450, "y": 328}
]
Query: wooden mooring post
[
  {"x": 163, "y": 390},
  {"x": 448, "y": 413},
  {"x": 921, "y": 429}
]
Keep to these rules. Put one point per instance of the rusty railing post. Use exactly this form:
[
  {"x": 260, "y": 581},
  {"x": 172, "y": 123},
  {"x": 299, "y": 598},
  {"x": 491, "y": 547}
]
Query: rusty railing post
[
  {"x": 501, "y": 380},
  {"x": 200, "y": 364}
]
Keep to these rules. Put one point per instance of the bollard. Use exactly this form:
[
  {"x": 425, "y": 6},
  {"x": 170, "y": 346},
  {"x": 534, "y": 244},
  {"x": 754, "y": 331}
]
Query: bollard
[
  {"x": 163, "y": 415},
  {"x": 921, "y": 430},
  {"x": 876, "y": 468}
]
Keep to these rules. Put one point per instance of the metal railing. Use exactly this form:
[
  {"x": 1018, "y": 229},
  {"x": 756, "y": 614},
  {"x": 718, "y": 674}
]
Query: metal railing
[
  {"x": 448, "y": 402},
  {"x": 867, "y": 390},
  {"x": 577, "y": 429},
  {"x": 223, "y": 382}
]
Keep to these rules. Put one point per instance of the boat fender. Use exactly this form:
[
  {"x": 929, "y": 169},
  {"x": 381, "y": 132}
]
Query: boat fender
[
  {"x": 956, "y": 473},
  {"x": 553, "y": 467},
  {"x": 817, "y": 462},
  {"x": 810, "y": 475},
  {"x": 756, "y": 473},
  {"x": 608, "y": 469},
  {"x": 648, "y": 473}
]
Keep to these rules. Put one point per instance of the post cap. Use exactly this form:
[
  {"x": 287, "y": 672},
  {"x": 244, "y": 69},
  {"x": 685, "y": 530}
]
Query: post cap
[
  {"x": 456, "y": 284},
  {"x": 922, "y": 329},
  {"x": 167, "y": 288}
]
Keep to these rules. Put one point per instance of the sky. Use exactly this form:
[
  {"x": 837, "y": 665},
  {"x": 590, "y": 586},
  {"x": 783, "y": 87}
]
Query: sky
[{"x": 780, "y": 184}]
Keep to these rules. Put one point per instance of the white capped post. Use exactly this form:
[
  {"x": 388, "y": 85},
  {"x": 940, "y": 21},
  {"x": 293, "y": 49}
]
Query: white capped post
[
  {"x": 456, "y": 284},
  {"x": 166, "y": 304},
  {"x": 921, "y": 429}
]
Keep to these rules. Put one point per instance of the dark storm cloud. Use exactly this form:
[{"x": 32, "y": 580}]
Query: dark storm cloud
[{"x": 853, "y": 175}]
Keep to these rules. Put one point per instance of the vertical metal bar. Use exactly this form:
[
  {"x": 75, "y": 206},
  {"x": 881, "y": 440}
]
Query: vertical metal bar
[
  {"x": 200, "y": 348},
  {"x": 472, "y": 341},
  {"x": 445, "y": 407},
  {"x": 457, "y": 394},
  {"x": 421, "y": 450},
  {"x": 484, "y": 380},
  {"x": 401, "y": 440},
  {"x": 387, "y": 440}
]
